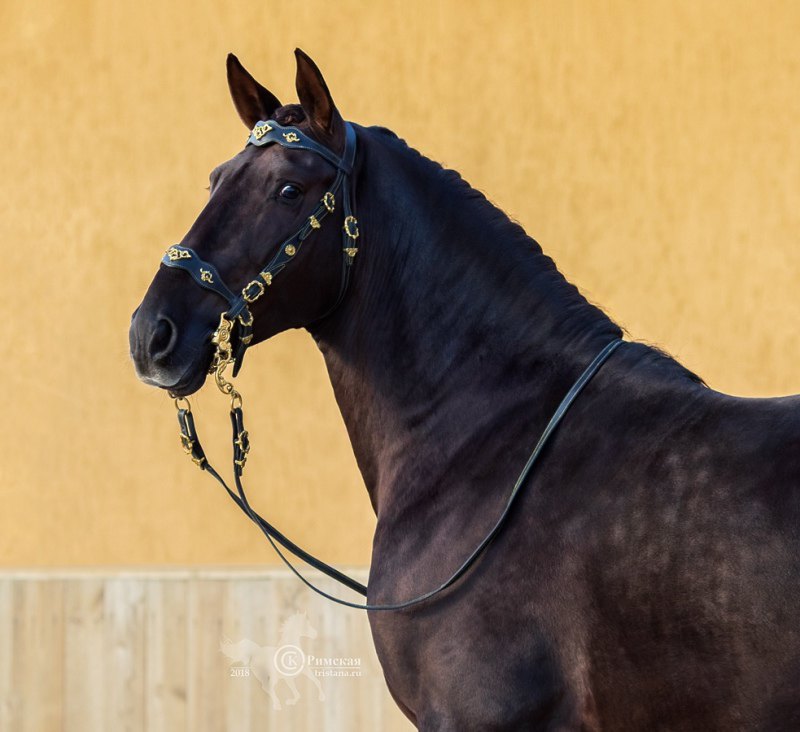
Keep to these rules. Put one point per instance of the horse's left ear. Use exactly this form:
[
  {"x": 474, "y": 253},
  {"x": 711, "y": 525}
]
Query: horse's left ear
[
  {"x": 316, "y": 100},
  {"x": 252, "y": 101}
]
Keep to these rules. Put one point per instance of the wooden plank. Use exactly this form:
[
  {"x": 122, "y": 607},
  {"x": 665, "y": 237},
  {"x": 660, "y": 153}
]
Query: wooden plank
[
  {"x": 205, "y": 668},
  {"x": 38, "y": 656},
  {"x": 124, "y": 611},
  {"x": 8, "y": 712},
  {"x": 83, "y": 670},
  {"x": 238, "y": 624},
  {"x": 166, "y": 655}
]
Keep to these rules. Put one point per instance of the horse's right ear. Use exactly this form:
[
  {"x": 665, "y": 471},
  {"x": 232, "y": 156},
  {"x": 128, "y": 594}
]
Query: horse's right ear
[{"x": 252, "y": 101}]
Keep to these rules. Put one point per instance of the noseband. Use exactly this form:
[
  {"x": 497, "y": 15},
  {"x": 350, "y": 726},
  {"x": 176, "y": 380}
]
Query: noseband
[{"x": 239, "y": 315}]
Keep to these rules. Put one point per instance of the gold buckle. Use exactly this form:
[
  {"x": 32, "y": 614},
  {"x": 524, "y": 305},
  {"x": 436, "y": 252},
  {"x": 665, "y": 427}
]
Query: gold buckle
[
  {"x": 246, "y": 323},
  {"x": 187, "y": 443},
  {"x": 252, "y": 298},
  {"x": 351, "y": 227},
  {"x": 329, "y": 201}
]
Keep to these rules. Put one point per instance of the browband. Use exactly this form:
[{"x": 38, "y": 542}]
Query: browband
[{"x": 206, "y": 275}]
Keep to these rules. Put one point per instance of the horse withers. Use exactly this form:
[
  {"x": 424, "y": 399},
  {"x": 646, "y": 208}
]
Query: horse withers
[{"x": 647, "y": 577}]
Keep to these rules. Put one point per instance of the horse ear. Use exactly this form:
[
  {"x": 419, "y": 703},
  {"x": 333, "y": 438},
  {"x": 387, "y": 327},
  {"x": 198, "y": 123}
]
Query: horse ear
[
  {"x": 316, "y": 100},
  {"x": 252, "y": 101}
]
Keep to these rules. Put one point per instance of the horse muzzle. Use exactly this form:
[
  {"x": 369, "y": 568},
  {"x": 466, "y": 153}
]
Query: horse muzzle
[{"x": 158, "y": 358}]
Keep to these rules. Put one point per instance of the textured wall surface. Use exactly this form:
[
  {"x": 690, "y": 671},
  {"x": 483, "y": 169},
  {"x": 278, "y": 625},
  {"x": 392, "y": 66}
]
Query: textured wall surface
[{"x": 652, "y": 148}]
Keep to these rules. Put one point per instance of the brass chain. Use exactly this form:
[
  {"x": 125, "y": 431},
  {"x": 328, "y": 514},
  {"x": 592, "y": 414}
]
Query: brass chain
[{"x": 223, "y": 357}]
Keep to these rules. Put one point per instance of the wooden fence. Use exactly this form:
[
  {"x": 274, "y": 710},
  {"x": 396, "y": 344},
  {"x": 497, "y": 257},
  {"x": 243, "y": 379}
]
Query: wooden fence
[{"x": 190, "y": 650}]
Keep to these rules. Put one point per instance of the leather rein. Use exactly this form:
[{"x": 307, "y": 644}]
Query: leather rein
[{"x": 239, "y": 316}]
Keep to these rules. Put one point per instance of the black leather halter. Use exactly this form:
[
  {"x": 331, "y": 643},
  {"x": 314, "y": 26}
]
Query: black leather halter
[
  {"x": 206, "y": 275},
  {"x": 238, "y": 313}
]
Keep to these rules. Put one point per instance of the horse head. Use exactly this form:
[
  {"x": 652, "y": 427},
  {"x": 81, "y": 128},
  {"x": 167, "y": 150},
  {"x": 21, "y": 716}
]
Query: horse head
[{"x": 257, "y": 199}]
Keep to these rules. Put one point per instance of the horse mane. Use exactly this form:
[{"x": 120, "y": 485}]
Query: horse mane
[{"x": 547, "y": 277}]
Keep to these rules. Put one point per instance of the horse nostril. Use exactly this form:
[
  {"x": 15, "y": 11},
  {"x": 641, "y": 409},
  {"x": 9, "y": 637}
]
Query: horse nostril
[{"x": 163, "y": 339}]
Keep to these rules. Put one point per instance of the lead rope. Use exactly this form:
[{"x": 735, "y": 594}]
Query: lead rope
[{"x": 241, "y": 447}]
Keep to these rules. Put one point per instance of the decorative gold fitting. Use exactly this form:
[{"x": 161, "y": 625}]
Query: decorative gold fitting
[
  {"x": 261, "y": 129},
  {"x": 291, "y": 137},
  {"x": 314, "y": 221},
  {"x": 246, "y": 339},
  {"x": 252, "y": 298},
  {"x": 267, "y": 277},
  {"x": 290, "y": 249},
  {"x": 222, "y": 335},
  {"x": 351, "y": 251},
  {"x": 198, "y": 461},
  {"x": 243, "y": 322},
  {"x": 240, "y": 443},
  {"x": 351, "y": 227},
  {"x": 175, "y": 254},
  {"x": 329, "y": 201},
  {"x": 236, "y": 400},
  {"x": 186, "y": 443},
  {"x": 206, "y": 276}
]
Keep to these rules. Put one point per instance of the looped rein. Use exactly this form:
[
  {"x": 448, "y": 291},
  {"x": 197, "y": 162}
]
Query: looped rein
[{"x": 239, "y": 315}]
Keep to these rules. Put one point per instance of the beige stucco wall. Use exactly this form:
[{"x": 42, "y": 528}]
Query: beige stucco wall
[{"x": 652, "y": 147}]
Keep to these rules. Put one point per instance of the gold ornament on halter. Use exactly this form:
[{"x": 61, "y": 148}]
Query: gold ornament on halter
[
  {"x": 291, "y": 137},
  {"x": 175, "y": 254},
  {"x": 222, "y": 358},
  {"x": 261, "y": 129}
]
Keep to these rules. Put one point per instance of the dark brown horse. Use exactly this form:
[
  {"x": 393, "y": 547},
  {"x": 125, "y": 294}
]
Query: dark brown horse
[{"x": 648, "y": 578}]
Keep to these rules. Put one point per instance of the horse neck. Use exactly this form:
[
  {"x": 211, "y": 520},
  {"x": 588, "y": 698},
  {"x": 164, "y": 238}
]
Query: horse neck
[{"x": 454, "y": 319}]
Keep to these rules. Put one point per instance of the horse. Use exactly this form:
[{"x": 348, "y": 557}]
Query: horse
[
  {"x": 647, "y": 577},
  {"x": 272, "y": 665}
]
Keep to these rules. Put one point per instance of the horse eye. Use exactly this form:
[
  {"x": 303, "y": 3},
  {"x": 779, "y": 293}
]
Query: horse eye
[{"x": 289, "y": 191}]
